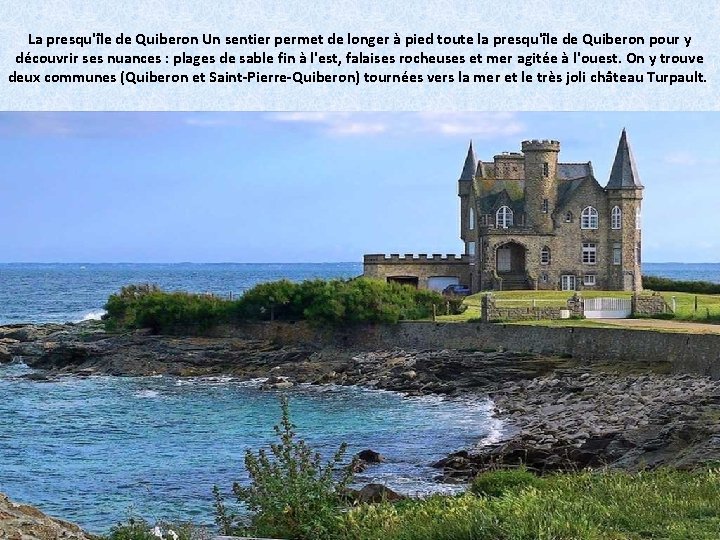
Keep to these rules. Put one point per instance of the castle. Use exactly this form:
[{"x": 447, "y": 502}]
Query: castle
[{"x": 530, "y": 222}]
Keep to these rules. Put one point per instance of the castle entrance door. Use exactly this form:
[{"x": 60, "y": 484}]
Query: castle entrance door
[{"x": 510, "y": 259}]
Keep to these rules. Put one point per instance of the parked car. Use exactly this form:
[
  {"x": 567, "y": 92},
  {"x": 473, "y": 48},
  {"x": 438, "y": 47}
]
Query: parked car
[{"x": 456, "y": 290}]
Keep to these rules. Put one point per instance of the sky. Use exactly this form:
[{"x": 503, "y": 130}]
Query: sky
[{"x": 313, "y": 186}]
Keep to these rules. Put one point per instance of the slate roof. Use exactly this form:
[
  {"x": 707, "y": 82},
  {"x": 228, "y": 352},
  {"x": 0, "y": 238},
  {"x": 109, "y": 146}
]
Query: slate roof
[
  {"x": 624, "y": 173},
  {"x": 468, "y": 172}
]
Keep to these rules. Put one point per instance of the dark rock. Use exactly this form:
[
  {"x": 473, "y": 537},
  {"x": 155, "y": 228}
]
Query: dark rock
[
  {"x": 370, "y": 456},
  {"x": 375, "y": 493}
]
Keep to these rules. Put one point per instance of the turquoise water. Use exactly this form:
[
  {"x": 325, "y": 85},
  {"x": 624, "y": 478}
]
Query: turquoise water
[{"x": 89, "y": 450}]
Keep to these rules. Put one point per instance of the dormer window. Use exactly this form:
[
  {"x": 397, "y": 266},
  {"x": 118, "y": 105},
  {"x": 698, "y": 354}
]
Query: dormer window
[
  {"x": 504, "y": 217},
  {"x": 616, "y": 218},
  {"x": 589, "y": 218}
]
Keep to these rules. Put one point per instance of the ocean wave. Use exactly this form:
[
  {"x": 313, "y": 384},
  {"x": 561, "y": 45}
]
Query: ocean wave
[{"x": 93, "y": 315}]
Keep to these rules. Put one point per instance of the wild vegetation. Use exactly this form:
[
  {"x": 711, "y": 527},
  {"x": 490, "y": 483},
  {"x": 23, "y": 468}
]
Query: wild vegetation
[
  {"x": 292, "y": 494},
  {"x": 331, "y": 302}
]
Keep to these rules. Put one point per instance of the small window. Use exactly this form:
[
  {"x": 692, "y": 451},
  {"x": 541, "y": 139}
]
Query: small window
[
  {"x": 545, "y": 255},
  {"x": 637, "y": 253},
  {"x": 544, "y": 277},
  {"x": 638, "y": 217},
  {"x": 568, "y": 217},
  {"x": 616, "y": 218},
  {"x": 589, "y": 253},
  {"x": 471, "y": 248},
  {"x": 617, "y": 253},
  {"x": 589, "y": 280},
  {"x": 471, "y": 219},
  {"x": 545, "y": 206},
  {"x": 546, "y": 169},
  {"x": 504, "y": 217},
  {"x": 589, "y": 218}
]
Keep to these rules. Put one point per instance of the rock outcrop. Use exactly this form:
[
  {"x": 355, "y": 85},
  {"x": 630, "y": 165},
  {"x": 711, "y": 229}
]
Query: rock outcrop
[{"x": 24, "y": 522}]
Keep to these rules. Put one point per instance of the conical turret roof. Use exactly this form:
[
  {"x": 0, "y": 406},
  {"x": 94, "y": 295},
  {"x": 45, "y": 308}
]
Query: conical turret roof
[
  {"x": 624, "y": 173},
  {"x": 468, "y": 172}
]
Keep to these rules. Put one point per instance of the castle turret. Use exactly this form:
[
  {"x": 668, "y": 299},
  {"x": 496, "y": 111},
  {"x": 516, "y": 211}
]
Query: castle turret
[
  {"x": 541, "y": 159},
  {"x": 624, "y": 191},
  {"x": 467, "y": 213}
]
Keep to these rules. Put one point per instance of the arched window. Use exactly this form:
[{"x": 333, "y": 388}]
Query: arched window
[
  {"x": 568, "y": 217},
  {"x": 471, "y": 219},
  {"x": 589, "y": 218},
  {"x": 504, "y": 217},
  {"x": 616, "y": 218},
  {"x": 545, "y": 255}
]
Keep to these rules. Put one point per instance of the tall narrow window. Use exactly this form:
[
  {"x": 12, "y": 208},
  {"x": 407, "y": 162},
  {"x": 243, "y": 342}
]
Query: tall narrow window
[
  {"x": 471, "y": 219},
  {"x": 616, "y": 218},
  {"x": 638, "y": 217},
  {"x": 589, "y": 218},
  {"x": 617, "y": 253},
  {"x": 504, "y": 217},
  {"x": 545, "y": 255},
  {"x": 546, "y": 169},
  {"x": 545, "y": 206},
  {"x": 589, "y": 253},
  {"x": 471, "y": 248},
  {"x": 568, "y": 217}
]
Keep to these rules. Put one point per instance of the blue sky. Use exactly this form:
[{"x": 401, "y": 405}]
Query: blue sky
[{"x": 300, "y": 187}]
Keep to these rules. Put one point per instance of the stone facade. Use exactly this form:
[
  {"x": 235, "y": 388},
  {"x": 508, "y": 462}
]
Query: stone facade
[
  {"x": 418, "y": 270},
  {"x": 529, "y": 221}
]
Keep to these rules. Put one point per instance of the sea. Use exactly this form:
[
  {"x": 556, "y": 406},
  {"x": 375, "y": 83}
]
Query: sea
[{"x": 100, "y": 450}]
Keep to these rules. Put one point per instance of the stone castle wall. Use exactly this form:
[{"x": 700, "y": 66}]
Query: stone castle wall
[{"x": 421, "y": 266}]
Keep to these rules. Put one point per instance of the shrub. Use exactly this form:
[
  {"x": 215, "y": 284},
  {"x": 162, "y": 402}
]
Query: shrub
[
  {"x": 139, "y": 529},
  {"x": 291, "y": 493},
  {"x": 327, "y": 302},
  {"x": 498, "y": 483},
  {"x": 665, "y": 284}
]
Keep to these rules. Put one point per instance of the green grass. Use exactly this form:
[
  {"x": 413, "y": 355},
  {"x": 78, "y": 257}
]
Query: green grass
[
  {"x": 708, "y": 304},
  {"x": 590, "y": 506}
]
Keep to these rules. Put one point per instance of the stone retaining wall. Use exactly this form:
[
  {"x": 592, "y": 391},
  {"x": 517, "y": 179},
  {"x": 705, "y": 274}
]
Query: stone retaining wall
[{"x": 683, "y": 353}]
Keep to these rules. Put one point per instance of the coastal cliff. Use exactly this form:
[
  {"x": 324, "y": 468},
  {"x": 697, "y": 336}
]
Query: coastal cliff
[{"x": 24, "y": 522}]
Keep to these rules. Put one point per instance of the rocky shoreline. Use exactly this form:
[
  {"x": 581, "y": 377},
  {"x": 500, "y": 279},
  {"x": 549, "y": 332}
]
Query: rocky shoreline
[{"x": 561, "y": 414}]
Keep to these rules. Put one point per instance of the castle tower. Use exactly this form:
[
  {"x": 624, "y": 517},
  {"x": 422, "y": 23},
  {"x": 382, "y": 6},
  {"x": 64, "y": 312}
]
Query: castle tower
[
  {"x": 464, "y": 188},
  {"x": 541, "y": 158},
  {"x": 625, "y": 192}
]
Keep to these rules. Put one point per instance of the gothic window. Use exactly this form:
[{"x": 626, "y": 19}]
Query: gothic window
[
  {"x": 616, "y": 218},
  {"x": 568, "y": 217},
  {"x": 504, "y": 217},
  {"x": 589, "y": 218},
  {"x": 471, "y": 219},
  {"x": 589, "y": 253},
  {"x": 545, "y": 255}
]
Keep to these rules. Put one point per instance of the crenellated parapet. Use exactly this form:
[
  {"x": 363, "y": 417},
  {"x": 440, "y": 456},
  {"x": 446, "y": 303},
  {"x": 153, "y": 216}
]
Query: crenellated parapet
[{"x": 413, "y": 258}]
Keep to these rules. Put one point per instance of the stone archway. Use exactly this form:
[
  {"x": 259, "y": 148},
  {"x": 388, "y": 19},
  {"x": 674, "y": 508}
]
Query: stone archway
[{"x": 510, "y": 258}]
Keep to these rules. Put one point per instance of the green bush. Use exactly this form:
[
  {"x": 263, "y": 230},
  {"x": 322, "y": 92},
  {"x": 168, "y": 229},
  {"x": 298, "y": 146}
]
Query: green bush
[
  {"x": 139, "y": 529},
  {"x": 665, "y": 284},
  {"x": 328, "y": 302},
  {"x": 291, "y": 493},
  {"x": 498, "y": 483}
]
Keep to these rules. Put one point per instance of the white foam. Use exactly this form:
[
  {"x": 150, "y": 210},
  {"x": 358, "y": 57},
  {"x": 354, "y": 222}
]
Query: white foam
[
  {"x": 94, "y": 315},
  {"x": 147, "y": 394}
]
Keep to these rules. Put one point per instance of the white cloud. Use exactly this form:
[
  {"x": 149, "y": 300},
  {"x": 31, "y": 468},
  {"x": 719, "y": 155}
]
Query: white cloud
[
  {"x": 688, "y": 159},
  {"x": 480, "y": 125}
]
